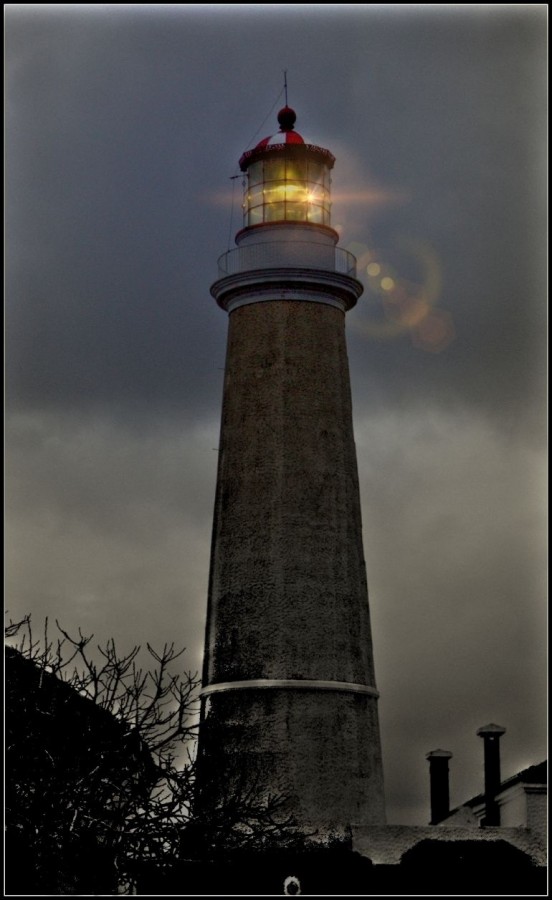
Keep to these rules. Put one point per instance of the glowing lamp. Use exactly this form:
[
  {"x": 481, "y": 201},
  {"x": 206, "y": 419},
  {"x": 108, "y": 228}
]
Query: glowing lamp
[{"x": 287, "y": 179}]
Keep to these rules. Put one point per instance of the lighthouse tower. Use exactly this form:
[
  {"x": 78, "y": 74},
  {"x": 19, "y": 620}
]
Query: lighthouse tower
[{"x": 289, "y": 700}]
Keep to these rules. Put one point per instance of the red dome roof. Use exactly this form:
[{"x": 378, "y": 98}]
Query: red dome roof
[
  {"x": 281, "y": 137},
  {"x": 286, "y": 134}
]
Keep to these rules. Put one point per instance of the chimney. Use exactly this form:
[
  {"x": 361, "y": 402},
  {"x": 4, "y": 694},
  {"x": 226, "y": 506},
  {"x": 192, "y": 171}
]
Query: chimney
[
  {"x": 491, "y": 735},
  {"x": 439, "y": 784}
]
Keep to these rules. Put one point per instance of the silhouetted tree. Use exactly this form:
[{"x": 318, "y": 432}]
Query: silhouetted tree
[
  {"x": 98, "y": 755},
  {"x": 100, "y": 770}
]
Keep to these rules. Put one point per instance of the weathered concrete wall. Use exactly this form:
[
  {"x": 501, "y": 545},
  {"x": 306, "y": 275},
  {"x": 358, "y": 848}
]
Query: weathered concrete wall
[
  {"x": 537, "y": 808},
  {"x": 288, "y": 595},
  {"x": 513, "y": 807},
  {"x": 314, "y": 749}
]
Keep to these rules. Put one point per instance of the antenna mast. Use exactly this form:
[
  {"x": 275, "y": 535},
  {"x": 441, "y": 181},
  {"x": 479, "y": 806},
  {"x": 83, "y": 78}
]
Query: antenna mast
[{"x": 285, "y": 85}]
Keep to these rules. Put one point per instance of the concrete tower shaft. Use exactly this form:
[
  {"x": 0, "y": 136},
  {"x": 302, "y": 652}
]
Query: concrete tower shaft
[
  {"x": 289, "y": 696},
  {"x": 288, "y": 589}
]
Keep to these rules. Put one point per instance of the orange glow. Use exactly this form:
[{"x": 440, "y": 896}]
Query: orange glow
[
  {"x": 403, "y": 305},
  {"x": 407, "y": 309},
  {"x": 373, "y": 198},
  {"x": 435, "y": 332}
]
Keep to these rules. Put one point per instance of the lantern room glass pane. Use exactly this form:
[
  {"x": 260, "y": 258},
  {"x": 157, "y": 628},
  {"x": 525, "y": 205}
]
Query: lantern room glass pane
[
  {"x": 274, "y": 212},
  {"x": 316, "y": 193},
  {"x": 274, "y": 192},
  {"x": 275, "y": 169},
  {"x": 255, "y": 216},
  {"x": 295, "y": 190},
  {"x": 255, "y": 196},
  {"x": 296, "y": 169},
  {"x": 255, "y": 173},
  {"x": 316, "y": 172},
  {"x": 315, "y": 214},
  {"x": 287, "y": 188},
  {"x": 296, "y": 212}
]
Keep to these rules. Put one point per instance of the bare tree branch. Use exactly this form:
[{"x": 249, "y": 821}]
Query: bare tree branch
[{"x": 130, "y": 790}]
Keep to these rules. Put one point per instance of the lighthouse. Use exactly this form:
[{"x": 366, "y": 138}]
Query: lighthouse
[{"x": 289, "y": 698}]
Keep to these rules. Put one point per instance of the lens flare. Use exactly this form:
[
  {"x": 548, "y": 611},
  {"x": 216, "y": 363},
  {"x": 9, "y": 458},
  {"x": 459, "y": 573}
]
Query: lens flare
[
  {"x": 402, "y": 296},
  {"x": 435, "y": 332}
]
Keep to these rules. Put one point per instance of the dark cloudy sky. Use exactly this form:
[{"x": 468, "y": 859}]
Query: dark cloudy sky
[{"x": 124, "y": 125}]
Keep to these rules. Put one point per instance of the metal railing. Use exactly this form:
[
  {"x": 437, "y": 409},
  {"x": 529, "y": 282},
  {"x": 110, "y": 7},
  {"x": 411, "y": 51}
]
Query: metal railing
[{"x": 287, "y": 254}]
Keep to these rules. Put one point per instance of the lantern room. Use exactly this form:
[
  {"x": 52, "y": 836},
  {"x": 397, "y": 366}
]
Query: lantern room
[{"x": 287, "y": 180}]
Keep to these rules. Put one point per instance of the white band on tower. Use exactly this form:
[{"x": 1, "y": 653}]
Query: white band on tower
[{"x": 297, "y": 683}]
